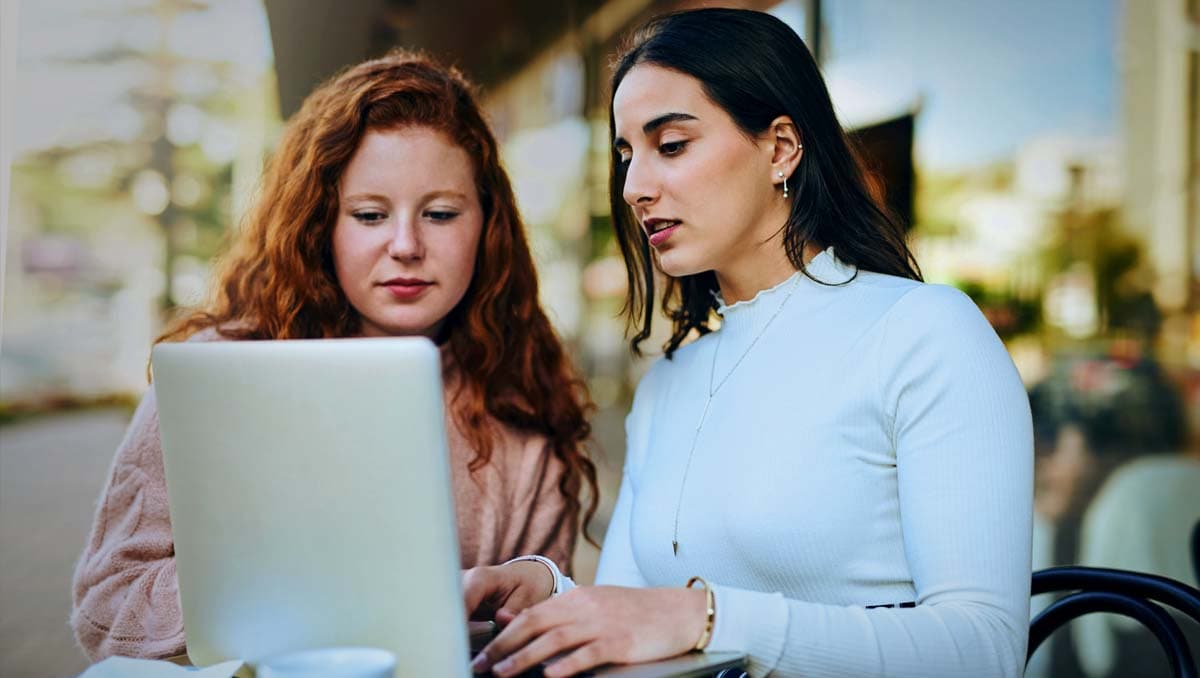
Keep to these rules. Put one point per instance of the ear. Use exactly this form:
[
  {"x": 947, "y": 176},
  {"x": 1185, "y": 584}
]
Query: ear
[{"x": 786, "y": 147}]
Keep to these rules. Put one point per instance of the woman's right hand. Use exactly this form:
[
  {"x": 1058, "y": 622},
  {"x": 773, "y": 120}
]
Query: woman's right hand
[{"x": 500, "y": 592}]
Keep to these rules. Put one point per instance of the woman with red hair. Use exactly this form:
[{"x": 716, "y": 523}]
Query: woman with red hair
[{"x": 385, "y": 212}]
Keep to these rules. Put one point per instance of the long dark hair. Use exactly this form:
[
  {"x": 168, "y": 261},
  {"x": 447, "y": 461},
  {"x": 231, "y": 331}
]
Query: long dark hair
[{"x": 756, "y": 68}]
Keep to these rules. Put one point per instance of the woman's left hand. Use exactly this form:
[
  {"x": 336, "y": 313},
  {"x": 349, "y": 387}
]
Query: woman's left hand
[{"x": 594, "y": 625}]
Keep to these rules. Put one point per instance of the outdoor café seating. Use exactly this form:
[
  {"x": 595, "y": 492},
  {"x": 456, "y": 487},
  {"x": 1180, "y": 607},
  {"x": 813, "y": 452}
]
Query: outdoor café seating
[{"x": 1132, "y": 594}]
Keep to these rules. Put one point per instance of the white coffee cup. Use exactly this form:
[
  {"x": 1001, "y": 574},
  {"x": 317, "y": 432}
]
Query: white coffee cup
[{"x": 332, "y": 662}]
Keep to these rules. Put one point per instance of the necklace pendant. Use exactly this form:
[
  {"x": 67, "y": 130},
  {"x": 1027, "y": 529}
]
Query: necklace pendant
[{"x": 674, "y": 547}]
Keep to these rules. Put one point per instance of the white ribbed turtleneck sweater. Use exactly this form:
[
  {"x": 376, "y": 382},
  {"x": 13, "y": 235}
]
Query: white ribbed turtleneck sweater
[{"x": 873, "y": 447}]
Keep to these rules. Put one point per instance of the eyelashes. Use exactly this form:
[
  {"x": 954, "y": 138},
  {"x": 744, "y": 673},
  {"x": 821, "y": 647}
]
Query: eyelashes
[
  {"x": 371, "y": 217},
  {"x": 668, "y": 149},
  {"x": 442, "y": 216},
  {"x": 672, "y": 148}
]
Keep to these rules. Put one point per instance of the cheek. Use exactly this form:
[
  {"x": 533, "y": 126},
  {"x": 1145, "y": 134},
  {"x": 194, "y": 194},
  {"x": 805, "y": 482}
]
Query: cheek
[
  {"x": 694, "y": 180},
  {"x": 350, "y": 260},
  {"x": 717, "y": 187},
  {"x": 458, "y": 257}
]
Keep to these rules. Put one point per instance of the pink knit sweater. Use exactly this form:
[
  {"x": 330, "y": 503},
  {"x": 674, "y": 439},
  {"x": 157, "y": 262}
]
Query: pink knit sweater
[{"x": 126, "y": 598}]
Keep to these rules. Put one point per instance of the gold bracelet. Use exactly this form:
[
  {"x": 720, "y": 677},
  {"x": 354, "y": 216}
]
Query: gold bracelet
[{"x": 710, "y": 606}]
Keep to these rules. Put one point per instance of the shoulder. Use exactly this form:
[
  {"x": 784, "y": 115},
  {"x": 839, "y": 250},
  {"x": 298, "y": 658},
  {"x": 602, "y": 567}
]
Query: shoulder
[
  {"x": 937, "y": 347},
  {"x": 883, "y": 284},
  {"x": 935, "y": 336},
  {"x": 860, "y": 299},
  {"x": 653, "y": 378},
  {"x": 664, "y": 371},
  {"x": 937, "y": 313}
]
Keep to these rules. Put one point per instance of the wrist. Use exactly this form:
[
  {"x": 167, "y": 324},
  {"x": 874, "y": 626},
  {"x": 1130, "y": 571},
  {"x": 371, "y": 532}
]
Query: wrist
[
  {"x": 701, "y": 612},
  {"x": 535, "y": 575},
  {"x": 693, "y": 613},
  {"x": 557, "y": 583}
]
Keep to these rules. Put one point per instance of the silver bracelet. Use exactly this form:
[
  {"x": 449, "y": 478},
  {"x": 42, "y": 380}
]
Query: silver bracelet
[{"x": 562, "y": 583}]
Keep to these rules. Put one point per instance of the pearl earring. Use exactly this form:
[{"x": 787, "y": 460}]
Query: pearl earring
[{"x": 785, "y": 188}]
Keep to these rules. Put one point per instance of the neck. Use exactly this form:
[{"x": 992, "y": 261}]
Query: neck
[{"x": 742, "y": 280}]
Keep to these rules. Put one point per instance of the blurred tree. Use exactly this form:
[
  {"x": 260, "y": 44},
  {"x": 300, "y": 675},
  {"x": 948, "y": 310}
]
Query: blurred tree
[
  {"x": 1124, "y": 304},
  {"x": 171, "y": 166},
  {"x": 1090, "y": 241}
]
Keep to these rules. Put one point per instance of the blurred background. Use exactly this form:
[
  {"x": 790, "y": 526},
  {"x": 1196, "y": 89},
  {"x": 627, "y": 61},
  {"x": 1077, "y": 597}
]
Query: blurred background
[{"x": 1044, "y": 155}]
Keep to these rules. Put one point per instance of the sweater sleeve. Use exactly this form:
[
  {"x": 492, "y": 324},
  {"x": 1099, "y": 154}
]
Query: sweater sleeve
[
  {"x": 550, "y": 531},
  {"x": 125, "y": 593},
  {"x": 960, "y": 425}
]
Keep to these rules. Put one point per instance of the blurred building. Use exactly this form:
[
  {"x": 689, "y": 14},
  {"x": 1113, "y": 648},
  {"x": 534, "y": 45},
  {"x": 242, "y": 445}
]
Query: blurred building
[{"x": 1160, "y": 106}]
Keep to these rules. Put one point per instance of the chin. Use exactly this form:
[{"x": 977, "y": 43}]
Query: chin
[
  {"x": 678, "y": 264},
  {"x": 406, "y": 325}
]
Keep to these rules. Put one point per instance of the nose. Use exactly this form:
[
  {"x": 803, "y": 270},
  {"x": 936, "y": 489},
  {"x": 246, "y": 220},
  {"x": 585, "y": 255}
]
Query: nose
[
  {"x": 641, "y": 186},
  {"x": 406, "y": 243}
]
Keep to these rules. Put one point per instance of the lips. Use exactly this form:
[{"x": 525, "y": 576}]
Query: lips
[
  {"x": 406, "y": 288},
  {"x": 655, "y": 225},
  {"x": 659, "y": 230},
  {"x": 406, "y": 281}
]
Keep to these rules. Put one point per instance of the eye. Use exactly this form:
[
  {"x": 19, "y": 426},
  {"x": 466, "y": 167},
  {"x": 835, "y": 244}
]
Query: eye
[
  {"x": 624, "y": 155},
  {"x": 672, "y": 147},
  {"x": 441, "y": 215},
  {"x": 370, "y": 216}
]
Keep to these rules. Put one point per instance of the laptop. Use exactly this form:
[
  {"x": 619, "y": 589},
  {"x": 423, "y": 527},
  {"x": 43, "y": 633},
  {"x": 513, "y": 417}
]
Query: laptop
[{"x": 311, "y": 504}]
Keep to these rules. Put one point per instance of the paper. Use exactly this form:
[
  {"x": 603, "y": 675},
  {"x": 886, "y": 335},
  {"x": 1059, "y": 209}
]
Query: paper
[{"x": 125, "y": 667}]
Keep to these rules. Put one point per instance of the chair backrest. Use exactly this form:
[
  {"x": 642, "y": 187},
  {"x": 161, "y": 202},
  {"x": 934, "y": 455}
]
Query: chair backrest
[
  {"x": 1132, "y": 594},
  {"x": 1196, "y": 550}
]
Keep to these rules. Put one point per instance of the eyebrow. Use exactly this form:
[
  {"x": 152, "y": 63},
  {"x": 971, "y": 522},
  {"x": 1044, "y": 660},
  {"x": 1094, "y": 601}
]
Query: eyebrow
[
  {"x": 365, "y": 197},
  {"x": 654, "y": 124},
  {"x": 445, "y": 193}
]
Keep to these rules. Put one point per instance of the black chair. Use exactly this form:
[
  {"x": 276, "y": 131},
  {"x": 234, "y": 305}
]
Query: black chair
[
  {"x": 1132, "y": 594},
  {"x": 1196, "y": 550}
]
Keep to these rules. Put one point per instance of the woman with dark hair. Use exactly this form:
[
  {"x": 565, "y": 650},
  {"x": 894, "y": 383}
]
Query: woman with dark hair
[
  {"x": 384, "y": 212},
  {"x": 842, "y": 461}
]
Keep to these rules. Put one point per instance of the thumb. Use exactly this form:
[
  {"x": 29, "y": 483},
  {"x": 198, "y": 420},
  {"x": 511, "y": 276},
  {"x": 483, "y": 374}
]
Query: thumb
[
  {"x": 504, "y": 616},
  {"x": 474, "y": 590}
]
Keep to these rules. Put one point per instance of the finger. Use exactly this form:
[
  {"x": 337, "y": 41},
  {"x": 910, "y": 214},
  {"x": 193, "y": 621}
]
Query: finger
[
  {"x": 504, "y": 616},
  {"x": 527, "y": 625},
  {"x": 549, "y": 644},
  {"x": 587, "y": 657},
  {"x": 474, "y": 589}
]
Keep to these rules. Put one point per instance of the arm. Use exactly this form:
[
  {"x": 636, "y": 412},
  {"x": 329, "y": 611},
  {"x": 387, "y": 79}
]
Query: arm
[
  {"x": 125, "y": 594},
  {"x": 550, "y": 531},
  {"x": 963, "y": 441},
  {"x": 545, "y": 538},
  {"x": 617, "y": 566}
]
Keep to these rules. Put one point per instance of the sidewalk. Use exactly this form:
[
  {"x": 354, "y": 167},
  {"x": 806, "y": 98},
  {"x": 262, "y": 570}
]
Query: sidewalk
[{"x": 51, "y": 471}]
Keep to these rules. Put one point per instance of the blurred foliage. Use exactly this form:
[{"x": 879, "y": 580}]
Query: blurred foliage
[
  {"x": 1010, "y": 315},
  {"x": 90, "y": 190},
  {"x": 1121, "y": 276}
]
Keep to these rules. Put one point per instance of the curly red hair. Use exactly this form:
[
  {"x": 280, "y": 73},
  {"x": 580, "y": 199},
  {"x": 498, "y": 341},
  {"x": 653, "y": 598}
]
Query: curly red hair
[{"x": 277, "y": 281}]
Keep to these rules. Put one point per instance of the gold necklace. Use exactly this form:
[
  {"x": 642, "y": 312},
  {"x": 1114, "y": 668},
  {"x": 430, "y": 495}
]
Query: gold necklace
[{"x": 708, "y": 401}]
